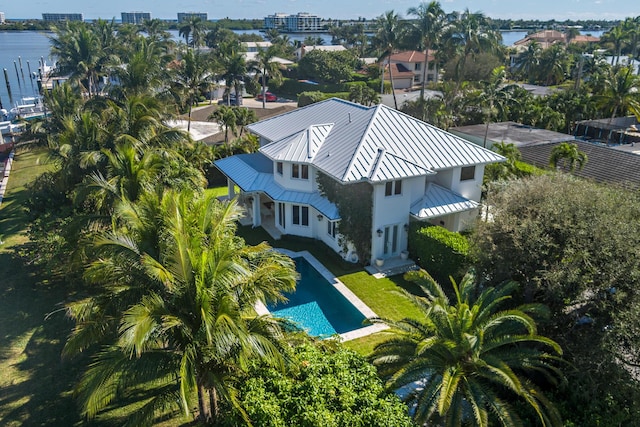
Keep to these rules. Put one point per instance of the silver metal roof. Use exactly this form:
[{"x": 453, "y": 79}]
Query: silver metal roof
[
  {"x": 350, "y": 151},
  {"x": 254, "y": 173},
  {"x": 438, "y": 201}
]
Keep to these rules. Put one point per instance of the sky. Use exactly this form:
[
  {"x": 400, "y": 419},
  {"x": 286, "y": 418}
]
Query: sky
[{"x": 337, "y": 9}]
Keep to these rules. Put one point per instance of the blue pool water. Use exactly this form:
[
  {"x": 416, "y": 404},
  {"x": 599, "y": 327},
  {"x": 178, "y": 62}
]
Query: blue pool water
[{"x": 317, "y": 306}]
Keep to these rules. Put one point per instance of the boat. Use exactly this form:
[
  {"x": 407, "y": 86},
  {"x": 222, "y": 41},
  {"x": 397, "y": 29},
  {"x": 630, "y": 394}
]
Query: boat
[{"x": 27, "y": 108}]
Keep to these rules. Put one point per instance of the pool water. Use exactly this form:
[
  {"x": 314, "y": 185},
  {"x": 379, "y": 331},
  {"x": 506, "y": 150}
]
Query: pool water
[{"x": 316, "y": 306}]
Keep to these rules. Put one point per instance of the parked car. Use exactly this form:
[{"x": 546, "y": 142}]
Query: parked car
[
  {"x": 268, "y": 96},
  {"x": 233, "y": 101}
]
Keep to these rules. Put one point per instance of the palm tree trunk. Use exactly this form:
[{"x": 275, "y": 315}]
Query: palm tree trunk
[
  {"x": 189, "y": 120},
  {"x": 424, "y": 73},
  {"x": 213, "y": 404},
  {"x": 264, "y": 90},
  {"x": 393, "y": 90},
  {"x": 205, "y": 411}
]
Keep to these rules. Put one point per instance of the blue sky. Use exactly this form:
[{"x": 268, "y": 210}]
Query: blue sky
[{"x": 342, "y": 9}]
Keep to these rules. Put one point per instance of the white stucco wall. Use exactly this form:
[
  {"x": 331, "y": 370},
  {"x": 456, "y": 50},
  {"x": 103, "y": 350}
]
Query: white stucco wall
[
  {"x": 297, "y": 184},
  {"x": 471, "y": 189}
]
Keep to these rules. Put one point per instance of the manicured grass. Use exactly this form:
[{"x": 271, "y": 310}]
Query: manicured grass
[{"x": 35, "y": 385}]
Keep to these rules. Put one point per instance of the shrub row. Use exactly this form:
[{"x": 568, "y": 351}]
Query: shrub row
[{"x": 441, "y": 252}]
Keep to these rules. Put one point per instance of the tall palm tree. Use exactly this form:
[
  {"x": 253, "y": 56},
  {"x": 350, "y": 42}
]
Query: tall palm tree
[
  {"x": 621, "y": 91},
  {"x": 234, "y": 67},
  {"x": 193, "y": 31},
  {"x": 494, "y": 97},
  {"x": 528, "y": 61},
  {"x": 143, "y": 70},
  {"x": 568, "y": 153},
  {"x": 186, "y": 288},
  {"x": 387, "y": 39},
  {"x": 470, "y": 357},
  {"x": 553, "y": 64},
  {"x": 79, "y": 54},
  {"x": 192, "y": 76},
  {"x": 266, "y": 67},
  {"x": 427, "y": 29},
  {"x": 469, "y": 36},
  {"x": 615, "y": 37}
]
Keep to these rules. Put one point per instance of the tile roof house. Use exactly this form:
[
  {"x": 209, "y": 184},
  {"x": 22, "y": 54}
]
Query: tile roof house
[
  {"x": 415, "y": 170},
  {"x": 407, "y": 71},
  {"x": 547, "y": 38}
]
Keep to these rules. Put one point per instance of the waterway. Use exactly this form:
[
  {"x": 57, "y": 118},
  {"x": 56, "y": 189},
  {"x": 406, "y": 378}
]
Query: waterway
[{"x": 30, "y": 47}]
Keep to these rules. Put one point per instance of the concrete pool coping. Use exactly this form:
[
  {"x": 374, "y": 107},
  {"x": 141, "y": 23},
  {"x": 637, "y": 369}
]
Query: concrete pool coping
[{"x": 262, "y": 310}]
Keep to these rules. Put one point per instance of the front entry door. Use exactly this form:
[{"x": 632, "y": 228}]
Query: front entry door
[{"x": 391, "y": 240}]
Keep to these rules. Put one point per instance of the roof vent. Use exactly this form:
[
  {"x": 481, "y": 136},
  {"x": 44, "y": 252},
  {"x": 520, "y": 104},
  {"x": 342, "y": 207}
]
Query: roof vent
[{"x": 349, "y": 117}]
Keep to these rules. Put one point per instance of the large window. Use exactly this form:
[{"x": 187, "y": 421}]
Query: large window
[
  {"x": 279, "y": 168},
  {"x": 332, "y": 228},
  {"x": 393, "y": 188},
  {"x": 299, "y": 171},
  {"x": 468, "y": 173},
  {"x": 300, "y": 215}
]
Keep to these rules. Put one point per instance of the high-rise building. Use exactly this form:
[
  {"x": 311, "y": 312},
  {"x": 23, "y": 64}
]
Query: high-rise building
[
  {"x": 135, "y": 18},
  {"x": 275, "y": 21},
  {"x": 60, "y": 17},
  {"x": 298, "y": 23},
  {"x": 1, "y": 17},
  {"x": 185, "y": 16}
]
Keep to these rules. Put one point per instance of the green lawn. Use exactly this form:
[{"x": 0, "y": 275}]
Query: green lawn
[{"x": 35, "y": 385}]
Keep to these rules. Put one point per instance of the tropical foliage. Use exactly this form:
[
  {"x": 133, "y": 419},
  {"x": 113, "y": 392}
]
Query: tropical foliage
[{"x": 464, "y": 361}]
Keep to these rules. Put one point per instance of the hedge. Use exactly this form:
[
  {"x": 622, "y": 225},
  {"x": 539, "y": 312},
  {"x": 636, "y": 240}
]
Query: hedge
[
  {"x": 441, "y": 252},
  {"x": 306, "y": 98}
]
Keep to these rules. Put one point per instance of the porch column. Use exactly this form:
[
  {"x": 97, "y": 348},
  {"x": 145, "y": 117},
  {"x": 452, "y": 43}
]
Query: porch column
[
  {"x": 231, "y": 189},
  {"x": 257, "y": 220}
]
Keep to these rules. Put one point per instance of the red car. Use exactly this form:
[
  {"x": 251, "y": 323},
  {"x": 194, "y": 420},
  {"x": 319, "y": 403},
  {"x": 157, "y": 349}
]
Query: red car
[{"x": 268, "y": 96}]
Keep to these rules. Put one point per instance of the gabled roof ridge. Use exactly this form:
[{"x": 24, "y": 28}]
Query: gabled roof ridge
[
  {"x": 314, "y": 105},
  {"x": 356, "y": 152},
  {"x": 437, "y": 129}
]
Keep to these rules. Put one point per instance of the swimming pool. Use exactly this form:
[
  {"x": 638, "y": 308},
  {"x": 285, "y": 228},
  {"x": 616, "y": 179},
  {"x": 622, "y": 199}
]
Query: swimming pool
[{"x": 317, "y": 306}]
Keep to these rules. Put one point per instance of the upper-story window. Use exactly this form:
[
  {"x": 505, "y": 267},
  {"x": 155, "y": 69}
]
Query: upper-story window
[
  {"x": 299, "y": 171},
  {"x": 279, "y": 168},
  {"x": 417, "y": 66},
  {"x": 467, "y": 173},
  {"x": 393, "y": 188}
]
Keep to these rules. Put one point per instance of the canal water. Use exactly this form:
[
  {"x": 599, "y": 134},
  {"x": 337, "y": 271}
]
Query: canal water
[{"x": 29, "y": 47}]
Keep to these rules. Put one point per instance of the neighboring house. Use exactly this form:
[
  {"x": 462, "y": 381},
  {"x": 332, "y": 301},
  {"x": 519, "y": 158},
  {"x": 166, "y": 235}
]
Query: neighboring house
[
  {"x": 416, "y": 171},
  {"x": 547, "y": 38},
  {"x": 303, "y": 50},
  {"x": 619, "y": 166},
  {"x": 510, "y": 133},
  {"x": 406, "y": 68}
]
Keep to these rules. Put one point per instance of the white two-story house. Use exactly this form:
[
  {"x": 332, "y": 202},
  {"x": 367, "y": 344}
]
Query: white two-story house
[{"x": 416, "y": 171}]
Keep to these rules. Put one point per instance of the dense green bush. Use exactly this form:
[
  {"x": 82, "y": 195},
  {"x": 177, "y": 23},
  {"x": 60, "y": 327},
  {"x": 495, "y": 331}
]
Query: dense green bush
[
  {"x": 441, "y": 252},
  {"x": 306, "y": 98},
  {"x": 323, "y": 387}
]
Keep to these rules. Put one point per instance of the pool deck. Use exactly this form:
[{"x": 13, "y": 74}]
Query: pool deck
[{"x": 261, "y": 309}]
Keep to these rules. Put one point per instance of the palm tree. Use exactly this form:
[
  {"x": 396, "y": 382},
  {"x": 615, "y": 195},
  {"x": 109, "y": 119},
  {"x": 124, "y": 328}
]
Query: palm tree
[
  {"x": 226, "y": 118},
  {"x": 234, "y": 67},
  {"x": 387, "y": 40},
  {"x": 143, "y": 70},
  {"x": 79, "y": 54},
  {"x": 615, "y": 37},
  {"x": 192, "y": 77},
  {"x": 469, "y": 36},
  {"x": 494, "y": 97},
  {"x": 620, "y": 91},
  {"x": 569, "y": 154},
  {"x": 528, "y": 61},
  {"x": 553, "y": 64},
  {"x": 470, "y": 358},
  {"x": 427, "y": 29},
  {"x": 193, "y": 31},
  {"x": 266, "y": 67},
  {"x": 181, "y": 321}
]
